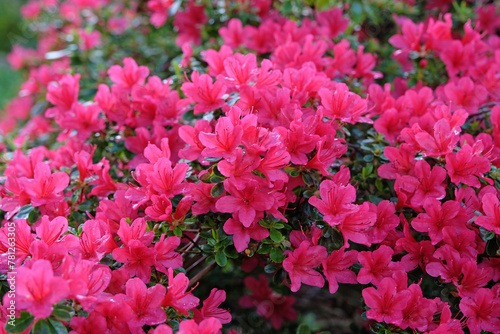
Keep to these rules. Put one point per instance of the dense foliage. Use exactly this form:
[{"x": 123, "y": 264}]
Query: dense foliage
[{"x": 253, "y": 166}]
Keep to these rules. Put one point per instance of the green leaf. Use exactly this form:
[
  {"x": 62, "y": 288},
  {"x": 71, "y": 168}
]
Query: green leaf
[
  {"x": 57, "y": 327},
  {"x": 303, "y": 329},
  {"x": 20, "y": 324},
  {"x": 217, "y": 171},
  {"x": 24, "y": 212},
  {"x": 177, "y": 231},
  {"x": 264, "y": 223},
  {"x": 85, "y": 206},
  {"x": 264, "y": 249},
  {"x": 367, "y": 170},
  {"x": 368, "y": 158},
  {"x": 42, "y": 326},
  {"x": 231, "y": 252},
  {"x": 270, "y": 268},
  {"x": 217, "y": 190},
  {"x": 275, "y": 235},
  {"x": 492, "y": 247},
  {"x": 276, "y": 255},
  {"x": 215, "y": 179},
  {"x": 308, "y": 194},
  {"x": 322, "y": 4},
  {"x": 210, "y": 159},
  {"x": 221, "y": 259},
  {"x": 33, "y": 216},
  {"x": 357, "y": 13},
  {"x": 489, "y": 235},
  {"x": 63, "y": 312},
  {"x": 308, "y": 179},
  {"x": 205, "y": 234}
]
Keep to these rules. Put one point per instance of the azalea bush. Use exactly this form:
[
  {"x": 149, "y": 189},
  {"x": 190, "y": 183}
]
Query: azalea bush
[{"x": 253, "y": 166}]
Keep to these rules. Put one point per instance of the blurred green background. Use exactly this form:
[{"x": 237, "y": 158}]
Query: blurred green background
[{"x": 11, "y": 32}]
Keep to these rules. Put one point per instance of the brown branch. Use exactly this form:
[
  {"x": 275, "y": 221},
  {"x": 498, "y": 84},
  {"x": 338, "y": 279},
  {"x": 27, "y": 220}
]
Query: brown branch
[
  {"x": 200, "y": 275},
  {"x": 197, "y": 262},
  {"x": 193, "y": 241},
  {"x": 484, "y": 109}
]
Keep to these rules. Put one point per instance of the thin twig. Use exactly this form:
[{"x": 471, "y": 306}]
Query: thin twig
[
  {"x": 196, "y": 263},
  {"x": 484, "y": 109},
  {"x": 200, "y": 275},
  {"x": 188, "y": 252},
  {"x": 193, "y": 241},
  {"x": 188, "y": 247}
]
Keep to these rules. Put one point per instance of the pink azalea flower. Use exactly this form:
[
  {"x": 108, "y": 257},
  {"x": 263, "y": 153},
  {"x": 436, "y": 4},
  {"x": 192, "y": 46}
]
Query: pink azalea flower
[
  {"x": 240, "y": 69},
  {"x": 138, "y": 259},
  {"x": 84, "y": 119},
  {"x": 135, "y": 231},
  {"x": 50, "y": 231},
  {"x": 419, "y": 311},
  {"x": 160, "y": 11},
  {"x": 206, "y": 94},
  {"x": 241, "y": 234},
  {"x": 336, "y": 268},
  {"x": 419, "y": 253},
  {"x": 343, "y": 105},
  {"x": 386, "y": 222},
  {"x": 298, "y": 142},
  {"x": 38, "y": 289},
  {"x": 94, "y": 323},
  {"x": 386, "y": 303},
  {"x": 438, "y": 215},
  {"x": 165, "y": 180},
  {"x": 190, "y": 136},
  {"x": 116, "y": 315},
  {"x": 129, "y": 75},
  {"x": 210, "y": 308},
  {"x": 443, "y": 140},
  {"x": 376, "y": 265},
  {"x": 87, "y": 281},
  {"x": 234, "y": 34},
  {"x": 247, "y": 203},
  {"x": 333, "y": 21},
  {"x": 482, "y": 311},
  {"x": 88, "y": 41},
  {"x": 207, "y": 326},
  {"x": 300, "y": 265},
  {"x": 215, "y": 59},
  {"x": 224, "y": 141},
  {"x": 402, "y": 162},
  {"x": 63, "y": 95},
  {"x": 177, "y": 297},
  {"x": 336, "y": 201},
  {"x": 447, "y": 324},
  {"x": 162, "y": 329},
  {"x": 355, "y": 225},
  {"x": 45, "y": 187},
  {"x": 166, "y": 256},
  {"x": 145, "y": 303},
  {"x": 161, "y": 209},
  {"x": 491, "y": 207},
  {"x": 20, "y": 165},
  {"x": 269, "y": 304}
]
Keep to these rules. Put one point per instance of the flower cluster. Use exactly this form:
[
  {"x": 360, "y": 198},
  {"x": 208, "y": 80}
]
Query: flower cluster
[{"x": 160, "y": 152}]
